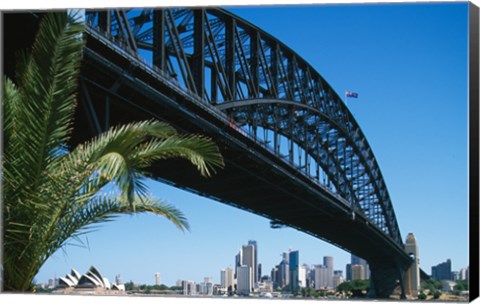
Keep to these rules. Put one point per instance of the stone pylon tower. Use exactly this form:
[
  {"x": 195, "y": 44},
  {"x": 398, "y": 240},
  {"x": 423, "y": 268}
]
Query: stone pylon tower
[{"x": 413, "y": 273}]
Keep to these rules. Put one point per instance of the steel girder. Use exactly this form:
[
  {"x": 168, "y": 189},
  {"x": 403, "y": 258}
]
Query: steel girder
[{"x": 264, "y": 88}]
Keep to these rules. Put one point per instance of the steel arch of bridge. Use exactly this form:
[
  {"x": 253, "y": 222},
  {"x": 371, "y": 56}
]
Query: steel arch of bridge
[{"x": 265, "y": 89}]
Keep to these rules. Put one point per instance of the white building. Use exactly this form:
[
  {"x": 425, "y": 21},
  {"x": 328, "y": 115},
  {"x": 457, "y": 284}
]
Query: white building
[
  {"x": 464, "y": 274},
  {"x": 265, "y": 286},
  {"x": 448, "y": 286},
  {"x": 302, "y": 276},
  {"x": 189, "y": 288},
  {"x": 91, "y": 281},
  {"x": 157, "y": 278},
  {"x": 244, "y": 280},
  {"x": 226, "y": 279},
  {"x": 206, "y": 287}
]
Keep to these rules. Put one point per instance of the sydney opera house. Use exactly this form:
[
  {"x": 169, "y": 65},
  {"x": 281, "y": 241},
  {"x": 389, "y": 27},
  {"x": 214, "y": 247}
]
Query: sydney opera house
[{"x": 91, "y": 282}]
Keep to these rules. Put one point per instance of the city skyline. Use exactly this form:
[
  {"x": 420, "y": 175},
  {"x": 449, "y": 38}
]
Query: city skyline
[
  {"x": 324, "y": 271},
  {"x": 424, "y": 193}
]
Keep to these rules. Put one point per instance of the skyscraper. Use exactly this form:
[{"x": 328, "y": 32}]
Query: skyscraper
[
  {"x": 328, "y": 262},
  {"x": 442, "y": 271},
  {"x": 206, "y": 287},
  {"x": 283, "y": 274},
  {"x": 321, "y": 277},
  {"x": 248, "y": 258},
  {"x": 358, "y": 272},
  {"x": 157, "y": 278},
  {"x": 259, "y": 271},
  {"x": 189, "y": 288},
  {"x": 302, "y": 276},
  {"x": 359, "y": 261},
  {"x": 226, "y": 279},
  {"x": 255, "y": 265},
  {"x": 244, "y": 280},
  {"x": 294, "y": 269},
  {"x": 238, "y": 263},
  {"x": 311, "y": 277},
  {"x": 348, "y": 272},
  {"x": 413, "y": 273},
  {"x": 274, "y": 275}
]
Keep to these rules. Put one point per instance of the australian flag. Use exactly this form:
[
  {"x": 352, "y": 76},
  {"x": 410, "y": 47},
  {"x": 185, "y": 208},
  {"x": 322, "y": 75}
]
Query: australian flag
[{"x": 351, "y": 94}]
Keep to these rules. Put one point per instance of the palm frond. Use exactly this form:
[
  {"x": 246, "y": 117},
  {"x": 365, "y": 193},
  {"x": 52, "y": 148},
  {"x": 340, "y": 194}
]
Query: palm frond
[
  {"x": 51, "y": 195},
  {"x": 200, "y": 151},
  {"x": 105, "y": 208},
  {"x": 47, "y": 86}
]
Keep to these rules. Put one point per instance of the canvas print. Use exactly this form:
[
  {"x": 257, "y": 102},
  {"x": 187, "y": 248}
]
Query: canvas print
[{"x": 289, "y": 151}]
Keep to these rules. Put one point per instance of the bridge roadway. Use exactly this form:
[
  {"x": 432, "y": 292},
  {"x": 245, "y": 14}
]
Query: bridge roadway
[{"x": 115, "y": 88}]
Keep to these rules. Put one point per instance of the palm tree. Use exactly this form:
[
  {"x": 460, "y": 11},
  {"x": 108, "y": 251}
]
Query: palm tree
[{"x": 52, "y": 194}]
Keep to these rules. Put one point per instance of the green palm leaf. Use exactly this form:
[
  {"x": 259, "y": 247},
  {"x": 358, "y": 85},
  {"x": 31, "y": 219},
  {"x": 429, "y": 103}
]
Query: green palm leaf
[{"x": 53, "y": 196}]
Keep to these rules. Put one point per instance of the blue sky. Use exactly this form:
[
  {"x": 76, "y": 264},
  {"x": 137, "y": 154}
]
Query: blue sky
[{"x": 408, "y": 63}]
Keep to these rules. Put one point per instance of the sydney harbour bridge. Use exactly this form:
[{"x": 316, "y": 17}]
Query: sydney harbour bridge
[{"x": 293, "y": 151}]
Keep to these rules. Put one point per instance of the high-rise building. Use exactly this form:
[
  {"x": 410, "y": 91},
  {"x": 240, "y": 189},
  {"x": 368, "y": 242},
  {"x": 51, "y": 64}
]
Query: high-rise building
[
  {"x": 358, "y": 272},
  {"x": 321, "y": 277},
  {"x": 283, "y": 274},
  {"x": 244, "y": 280},
  {"x": 238, "y": 262},
  {"x": 337, "y": 278},
  {"x": 189, "y": 288},
  {"x": 442, "y": 271},
  {"x": 226, "y": 279},
  {"x": 259, "y": 271},
  {"x": 248, "y": 258},
  {"x": 255, "y": 258},
  {"x": 274, "y": 275},
  {"x": 348, "y": 272},
  {"x": 463, "y": 274},
  {"x": 205, "y": 287},
  {"x": 310, "y": 276},
  {"x": 413, "y": 273},
  {"x": 328, "y": 262},
  {"x": 157, "y": 278},
  {"x": 294, "y": 270},
  {"x": 302, "y": 276},
  {"x": 355, "y": 260}
]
